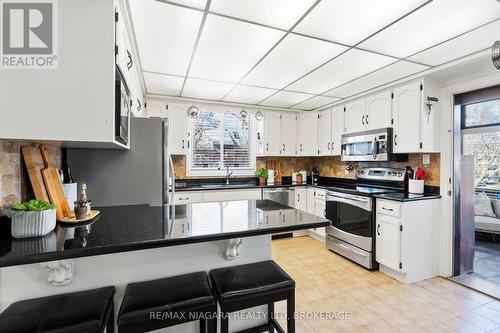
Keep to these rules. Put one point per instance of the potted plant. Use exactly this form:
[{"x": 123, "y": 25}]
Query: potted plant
[
  {"x": 32, "y": 218},
  {"x": 262, "y": 174},
  {"x": 81, "y": 208},
  {"x": 298, "y": 177}
]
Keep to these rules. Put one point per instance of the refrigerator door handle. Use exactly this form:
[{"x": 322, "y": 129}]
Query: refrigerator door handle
[{"x": 172, "y": 169}]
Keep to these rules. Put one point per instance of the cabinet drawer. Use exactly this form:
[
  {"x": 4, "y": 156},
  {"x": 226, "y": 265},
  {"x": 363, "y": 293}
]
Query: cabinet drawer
[
  {"x": 389, "y": 208},
  {"x": 232, "y": 195},
  {"x": 181, "y": 198}
]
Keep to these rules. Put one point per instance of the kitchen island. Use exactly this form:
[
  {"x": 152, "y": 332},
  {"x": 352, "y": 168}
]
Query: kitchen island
[{"x": 134, "y": 243}]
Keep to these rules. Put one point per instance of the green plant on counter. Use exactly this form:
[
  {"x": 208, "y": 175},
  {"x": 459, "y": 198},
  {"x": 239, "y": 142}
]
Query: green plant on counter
[
  {"x": 262, "y": 172},
  {"x": 33, "y": 205}
]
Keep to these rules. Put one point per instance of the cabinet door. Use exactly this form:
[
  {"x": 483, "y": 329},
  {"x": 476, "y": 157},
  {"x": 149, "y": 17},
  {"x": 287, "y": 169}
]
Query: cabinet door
[
  {"x": 325, "y": 133},
  {"x": 406, "y": 112},
  {"x": 338, "y": 129},
  {"x": 355, "y": 114},
  {"x": 288, "y": 216},
  {"x": 288, "y": 134},
  {"x": 379, "y": 111},
  {"x": 311, "y": 196},
  {"x": 308, "y": 139},
  {"x": 272, "y": 134},
  {"x": 301, "y": 199},
  {"x": 388, "y": 248},
  {"x": 177, "y": 130}
]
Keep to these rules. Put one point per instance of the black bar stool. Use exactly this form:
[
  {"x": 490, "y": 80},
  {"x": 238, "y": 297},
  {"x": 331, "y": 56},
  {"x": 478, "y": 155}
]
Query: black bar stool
[
  {"x": 242, "y": 287},
  {"x": 171, "y": 301},
  {"x": 89, "y": 311}
]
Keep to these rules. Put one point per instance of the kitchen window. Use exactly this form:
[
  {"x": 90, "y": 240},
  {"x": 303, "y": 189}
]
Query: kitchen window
[{"x": 220, "y": 139}]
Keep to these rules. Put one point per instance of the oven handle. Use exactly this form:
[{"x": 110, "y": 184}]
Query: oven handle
[
  {"x": 346, "y": 198},
  {"x": 374, "y": 152},
  {"x": 360, "y": 203}
]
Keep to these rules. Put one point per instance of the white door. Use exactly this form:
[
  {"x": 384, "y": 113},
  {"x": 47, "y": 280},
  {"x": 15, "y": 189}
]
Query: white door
[
  {"x": 355, "y": 114},
  {"x": 178, "y": 142},
  {"x": 406, "y": 112},
  {"x": 338, "y": 129},
  {"x": 388, "y": 248},
  {"x": 308, "y": 139},
  {"x": 379, "y": 110},
  {"x": 288, "y": 134},
  {"x": 325, "y": 132},
  {"x": 301, "y": 199},
  {"x": 272, "y": 133}
]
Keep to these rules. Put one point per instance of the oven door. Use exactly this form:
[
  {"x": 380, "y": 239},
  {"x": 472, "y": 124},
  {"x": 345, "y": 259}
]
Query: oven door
[{"x": 352, "y": 219}]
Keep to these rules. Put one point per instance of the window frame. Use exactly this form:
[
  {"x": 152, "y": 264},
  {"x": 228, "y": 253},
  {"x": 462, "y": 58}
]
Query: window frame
[{"x": 214, "y": 172}]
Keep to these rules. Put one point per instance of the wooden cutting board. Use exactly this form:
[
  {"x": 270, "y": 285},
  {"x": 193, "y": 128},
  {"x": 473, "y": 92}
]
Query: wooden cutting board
[
  {"x": 34, "y": 163},
  {"x": 54, "y": 186}
]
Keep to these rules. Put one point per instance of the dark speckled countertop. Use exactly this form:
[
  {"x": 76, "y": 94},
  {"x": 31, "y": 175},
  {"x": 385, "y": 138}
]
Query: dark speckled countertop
[{"x": 139, "y": 227}]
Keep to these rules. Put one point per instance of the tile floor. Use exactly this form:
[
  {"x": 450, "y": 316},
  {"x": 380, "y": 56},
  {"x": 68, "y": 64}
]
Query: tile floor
[{"x": 375, "y": 302}]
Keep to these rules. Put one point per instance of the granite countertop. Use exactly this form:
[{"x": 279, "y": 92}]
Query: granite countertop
[
  {"x": 404, "y": 197},
  {"x": 138, "y": 227}
]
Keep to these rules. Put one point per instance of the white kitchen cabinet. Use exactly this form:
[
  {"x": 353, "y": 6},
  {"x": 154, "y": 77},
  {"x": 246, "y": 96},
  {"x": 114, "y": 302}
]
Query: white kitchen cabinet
[
  {"x": 325, "y": 132},
  {"x": 378, "y": 111},
  {"x": 310, "y": 204},
  {"x": 177, "y": 119},
  {"x": 355, "y": 114},
  {"x": 406, "y": 243},
  {"x": 307, "y": 127},
  {"x": 272, "y": 134},
  {"x": 300, "y": 198},
  {"x": 338, "y": 128},
  {"x": 185, "y": 197},
  {"x": 231, "y": 195},
  {"x": 415, "y": 129},
  {"x": 288, "y": 134}
]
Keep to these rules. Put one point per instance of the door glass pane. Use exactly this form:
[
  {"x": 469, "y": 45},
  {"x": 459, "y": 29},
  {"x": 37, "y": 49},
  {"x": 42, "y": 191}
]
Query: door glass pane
[
  {"x": 485, "y": 147},
  {"x": 361, "y": 148},
  {"x": 484, "y": 113}
]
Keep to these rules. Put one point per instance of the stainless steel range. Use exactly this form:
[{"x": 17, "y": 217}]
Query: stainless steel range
[{"x": 350, "y": 208}]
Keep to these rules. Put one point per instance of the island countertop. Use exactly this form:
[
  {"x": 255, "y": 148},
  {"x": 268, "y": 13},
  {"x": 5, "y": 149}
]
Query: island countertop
[{"x": 139, "y": 227}]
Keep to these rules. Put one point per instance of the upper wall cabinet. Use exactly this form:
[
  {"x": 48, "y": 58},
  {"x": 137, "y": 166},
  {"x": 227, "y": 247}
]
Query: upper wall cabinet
[
  {"x": 288, "y": 134},
  {"x": 178, "y": 142},
  {"x": 378, "y": 111},
  {"x": 325, "y": 132},
  {"x": 307, "y": 127},
  {"x": 338, "y": 128},
  {"x": 272, "y": 134},
  {"x": 416, "y": 127},
  {"x": 355, "y": 114}
]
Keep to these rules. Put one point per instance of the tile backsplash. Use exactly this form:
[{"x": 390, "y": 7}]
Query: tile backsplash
[
  {"x": 331, "y": 166},
  {"x": 14, "y": 181}
]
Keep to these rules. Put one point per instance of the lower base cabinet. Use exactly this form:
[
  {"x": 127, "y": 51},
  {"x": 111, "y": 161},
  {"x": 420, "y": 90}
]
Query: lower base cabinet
[{"x": 406, "y": 242}]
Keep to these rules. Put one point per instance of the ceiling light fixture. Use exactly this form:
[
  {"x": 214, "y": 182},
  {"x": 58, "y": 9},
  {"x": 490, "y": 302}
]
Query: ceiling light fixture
[
  {"x": 495, "y": 54},
  {"x": 193, "y": 112}
]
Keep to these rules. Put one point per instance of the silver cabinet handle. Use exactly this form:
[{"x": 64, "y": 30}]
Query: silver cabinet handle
[
  {"x": 363, "y": 120},
  {"x": 267, "y": 146},
  {"x": 283, "y": 147},
  {"x": 329, "y": 146},
  {"x": 395, "y": 141},
  {"x": 183, "y": 142},
  {"x": 366, "y": 119},
  {"x": 283, "y": 218},
  {"x": 388, "y": 209},
  {"x": 267, "y": 219},
  {"x": 378, "y": 229},
  {"x": 183, "y": 198},
  {"x": 298, "y": 197}
]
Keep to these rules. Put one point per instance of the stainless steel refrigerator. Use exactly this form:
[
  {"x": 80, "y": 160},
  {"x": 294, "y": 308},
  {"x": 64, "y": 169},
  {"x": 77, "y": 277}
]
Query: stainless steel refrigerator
[{"x": 139, "y": 175}]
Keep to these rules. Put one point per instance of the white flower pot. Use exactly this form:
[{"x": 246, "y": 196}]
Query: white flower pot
[
  {"x": 416, "y": 186},
  {"x": 33, "y": 223}
]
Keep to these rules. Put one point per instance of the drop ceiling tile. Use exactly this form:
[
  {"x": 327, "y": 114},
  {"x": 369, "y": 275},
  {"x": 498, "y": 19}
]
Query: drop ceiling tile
[
  {"x": 464, "y": 45},
  {"x": 286, "y": 99},
  {"x": 315, "y": 102},
  {"x": 163, "y": 84},
  {"x": 165, "y": 35},
  {"x": 200, "y": 4},
  {"x": 205, "y": 89},
  {"x": 344, "y": 68},
  {"x": 292, "y": 58},
  {"x": 349, "y": 22},
  {"x": 385, "y": 75},
  {"x": 432, "y": 24},
  {"x": 277, "y": 13},
  {"x": 228, "y": 49},
  {"x": 248, "y": 94}
]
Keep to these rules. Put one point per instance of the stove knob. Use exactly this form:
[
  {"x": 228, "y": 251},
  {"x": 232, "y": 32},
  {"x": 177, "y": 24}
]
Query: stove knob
[{"x": 399, "y": 174}]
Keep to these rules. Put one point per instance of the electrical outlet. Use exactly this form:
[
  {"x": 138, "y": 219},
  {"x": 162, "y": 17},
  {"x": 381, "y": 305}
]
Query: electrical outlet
[{"x": 426, "y": 159}]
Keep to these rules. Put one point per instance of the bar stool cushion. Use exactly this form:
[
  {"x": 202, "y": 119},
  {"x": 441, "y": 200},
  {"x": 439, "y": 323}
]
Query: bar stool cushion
[
  {"x": 84, "y": 311},
  {"x": 251, "y": 280},
  {"x": 182, "y": 293}
]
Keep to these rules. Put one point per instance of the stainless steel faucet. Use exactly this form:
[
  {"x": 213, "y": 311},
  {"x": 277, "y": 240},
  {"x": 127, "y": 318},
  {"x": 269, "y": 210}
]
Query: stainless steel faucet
[{"x": 228, "y": 174}]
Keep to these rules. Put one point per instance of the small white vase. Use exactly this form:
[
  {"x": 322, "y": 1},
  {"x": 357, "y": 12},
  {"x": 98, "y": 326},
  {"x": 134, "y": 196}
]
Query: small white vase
[
  {"x": 33, "y": 223},
  {"x": 416, "y": 186}
]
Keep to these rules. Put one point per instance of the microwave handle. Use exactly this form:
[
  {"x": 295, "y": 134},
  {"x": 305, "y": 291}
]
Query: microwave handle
[{"x": 374, "y": 150}]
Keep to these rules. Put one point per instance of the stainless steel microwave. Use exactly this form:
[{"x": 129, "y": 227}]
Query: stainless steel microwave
[
  {"x": 374, "y": 145},
  {"x": 122, "y": 108}
]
